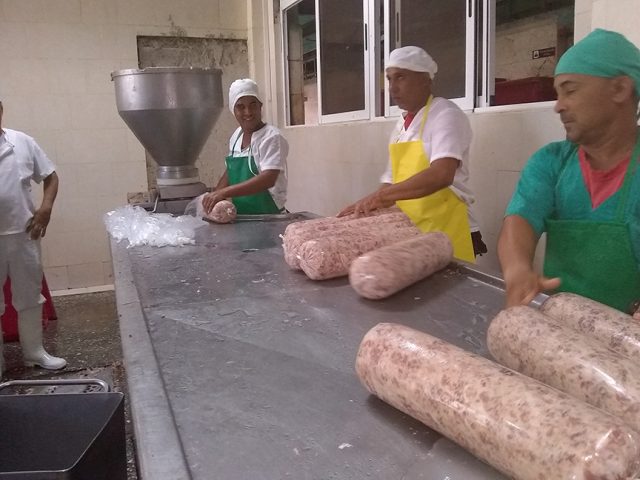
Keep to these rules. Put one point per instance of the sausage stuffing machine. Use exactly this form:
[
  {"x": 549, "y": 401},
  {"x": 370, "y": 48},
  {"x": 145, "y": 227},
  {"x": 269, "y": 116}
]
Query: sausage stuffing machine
[{"x": 171, "y": 111}]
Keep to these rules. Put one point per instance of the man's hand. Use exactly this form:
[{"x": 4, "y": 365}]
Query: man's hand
[
  {"x": 366, "y": 205},
  {"x": 210, "y": 199},
  {"x": 524, "y": 285},
  {"x": 37, "y": 226}
]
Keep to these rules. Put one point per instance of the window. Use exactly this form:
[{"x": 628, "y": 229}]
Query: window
[
  {"x": 489, "y": 52},
  {"x": 446, "y": 31},
  {"x": 530, "y": 35}
]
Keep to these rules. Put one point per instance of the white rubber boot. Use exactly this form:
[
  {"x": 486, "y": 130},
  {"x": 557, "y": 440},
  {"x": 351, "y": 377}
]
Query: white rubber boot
[{"x": 30, "y": 331}]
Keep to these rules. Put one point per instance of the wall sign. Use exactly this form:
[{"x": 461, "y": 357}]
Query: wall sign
[{"x": 544, "y": 52}]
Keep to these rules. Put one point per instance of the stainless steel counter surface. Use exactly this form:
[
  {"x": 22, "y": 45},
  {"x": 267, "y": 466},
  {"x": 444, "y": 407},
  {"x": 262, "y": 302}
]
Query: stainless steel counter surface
[{"x": 240, "y": 368}]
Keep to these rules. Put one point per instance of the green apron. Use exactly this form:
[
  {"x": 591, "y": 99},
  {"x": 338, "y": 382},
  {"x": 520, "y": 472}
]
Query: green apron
[
  {"x": 595, "y": 259},
  {"x": 241, "y": 169}
]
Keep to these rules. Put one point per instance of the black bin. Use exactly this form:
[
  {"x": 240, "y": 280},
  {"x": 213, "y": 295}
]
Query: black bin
[{"x": 62, "y": 436}]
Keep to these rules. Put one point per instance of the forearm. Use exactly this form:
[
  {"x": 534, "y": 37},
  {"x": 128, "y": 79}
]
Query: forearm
[
  {"x": 223, "y": 182},
  {"x": 50, "y": 191},
  {"x": 516, "y": 245}
]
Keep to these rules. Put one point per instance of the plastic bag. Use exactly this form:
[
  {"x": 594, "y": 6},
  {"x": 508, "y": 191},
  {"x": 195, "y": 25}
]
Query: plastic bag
[
  {"x": 194, "y": 207},
  {"x": 140, "y": 227}
]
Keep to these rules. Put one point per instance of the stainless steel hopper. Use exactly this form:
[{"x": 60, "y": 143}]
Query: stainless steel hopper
[{"x": 171, "y": 110}]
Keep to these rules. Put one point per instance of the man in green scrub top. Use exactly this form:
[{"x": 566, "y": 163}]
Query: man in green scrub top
[{"x": 584, "y": 192}]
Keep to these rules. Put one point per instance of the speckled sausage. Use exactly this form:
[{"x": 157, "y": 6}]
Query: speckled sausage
[
  {"x": 330, "y": 257},
  {"x": 294, "y": 227},
  {"x": 297, "y": 233},
  {"x": 222, "y": 212},
  {"x": 611, "y": 327},
  {"x": 520, "y": 426},
  {"x": 387, "y": 270},
  {"x": 525, "y": 340}
]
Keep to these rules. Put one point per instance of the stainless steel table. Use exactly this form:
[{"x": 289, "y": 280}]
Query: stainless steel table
[{"x": 240, "y": 368}]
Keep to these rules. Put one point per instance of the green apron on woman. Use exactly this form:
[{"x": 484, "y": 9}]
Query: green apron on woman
[{"x": 241, "y": 169}]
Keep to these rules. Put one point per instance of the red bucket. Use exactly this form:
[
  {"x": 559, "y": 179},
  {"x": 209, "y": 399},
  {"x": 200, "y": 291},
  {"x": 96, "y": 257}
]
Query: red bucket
[{"x": 9, "y": 318}]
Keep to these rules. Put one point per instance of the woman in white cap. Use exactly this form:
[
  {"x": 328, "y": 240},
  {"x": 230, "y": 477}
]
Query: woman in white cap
[
  {"x": 429, "y": 157},
  {"x": 255, "y": 178}
]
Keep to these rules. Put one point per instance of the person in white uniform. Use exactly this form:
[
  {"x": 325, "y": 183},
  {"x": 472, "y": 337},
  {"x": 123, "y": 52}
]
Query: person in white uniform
[
  {"x": 21, "y": 227},
  {"x": 255, "y": 178},
  {"x": 428, "y": 171}
]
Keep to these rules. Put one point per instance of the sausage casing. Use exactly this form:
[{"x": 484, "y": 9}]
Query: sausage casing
[
  {"x": 525, "y": 340},
  {"x": 611, "y": 327},
  {"x": 520, "y": 426}
]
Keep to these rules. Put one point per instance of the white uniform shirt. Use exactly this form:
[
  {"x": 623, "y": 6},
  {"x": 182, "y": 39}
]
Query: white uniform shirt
[
  {"x": 21, "y": 161},
  {"x": 269, "y": 149},
  {"x": 447, "y": 133}
]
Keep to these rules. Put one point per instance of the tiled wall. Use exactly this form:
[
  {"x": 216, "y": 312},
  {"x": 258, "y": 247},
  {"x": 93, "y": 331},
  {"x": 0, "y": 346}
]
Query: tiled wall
[{"x": 55, "y": 62}]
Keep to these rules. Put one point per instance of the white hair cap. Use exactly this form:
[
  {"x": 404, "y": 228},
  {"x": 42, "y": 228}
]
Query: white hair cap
[
  {"x": 414, "y": 59},
  {"x": 243, "y": 87}
]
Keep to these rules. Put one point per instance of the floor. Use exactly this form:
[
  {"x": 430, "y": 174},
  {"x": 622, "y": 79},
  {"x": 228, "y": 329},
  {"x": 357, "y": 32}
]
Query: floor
[{"x": 87, "y": 335}]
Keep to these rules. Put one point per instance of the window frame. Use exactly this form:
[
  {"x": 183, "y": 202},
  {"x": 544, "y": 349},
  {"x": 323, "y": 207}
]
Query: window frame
[{"x": 480, "y": 60}]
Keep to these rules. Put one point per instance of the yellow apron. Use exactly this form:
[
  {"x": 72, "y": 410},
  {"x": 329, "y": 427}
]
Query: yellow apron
[{"x": 441, "y": 211}]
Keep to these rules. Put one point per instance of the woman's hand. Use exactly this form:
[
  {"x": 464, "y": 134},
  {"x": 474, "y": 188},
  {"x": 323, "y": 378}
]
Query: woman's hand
[{"x": 210, "y": 199}]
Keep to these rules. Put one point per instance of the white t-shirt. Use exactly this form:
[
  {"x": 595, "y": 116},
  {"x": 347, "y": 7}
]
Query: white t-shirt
[
  {"x": 447, "y": 133},
  {"x": 21, "y": 161},
  {"x": 269, "y": 149}
]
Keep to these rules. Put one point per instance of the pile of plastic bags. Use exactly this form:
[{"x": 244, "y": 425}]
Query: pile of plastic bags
[{"x": 140, "y": 227}]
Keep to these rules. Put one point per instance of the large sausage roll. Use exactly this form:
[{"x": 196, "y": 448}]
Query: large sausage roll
[
  {"x": 525, "y": 340},
  {"x": 611, "y": 327},
  {"x": 381, "y": 273},
  {"x": 330, "y": 257},
  {"x": 293, "y": 238},
  {"x": 525, "y": 429}
]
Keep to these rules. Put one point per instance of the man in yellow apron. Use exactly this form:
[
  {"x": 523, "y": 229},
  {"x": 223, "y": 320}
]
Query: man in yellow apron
[
  {"x": 429, "y": 157},
  {"x": 255, "y": 178},
  {"x": 584, "y": 192}
]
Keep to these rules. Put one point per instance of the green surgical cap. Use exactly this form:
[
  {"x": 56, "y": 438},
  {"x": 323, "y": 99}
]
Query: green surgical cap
[{"x": 602, "y": 53}]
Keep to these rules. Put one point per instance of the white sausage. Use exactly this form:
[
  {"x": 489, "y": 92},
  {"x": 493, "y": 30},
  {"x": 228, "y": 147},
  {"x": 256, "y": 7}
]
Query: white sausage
[
  {"x": 525, "y": 340},
  {"x": 297, "y": 233},
  {"x": 518, "y": 425},
  {"x": 611, "y": 327},
  {"x": 381, "y": 273},
  {"x": 330, "y": 257},
  {"x": 222, "y": 212}
]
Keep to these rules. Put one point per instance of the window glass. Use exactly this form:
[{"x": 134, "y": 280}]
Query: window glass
[
  {"x": 530, "y": 36},
  {"x": 342, "y": 56},
  {"x": 440, "y": 28},
  {"x": 301, "y": 67}
]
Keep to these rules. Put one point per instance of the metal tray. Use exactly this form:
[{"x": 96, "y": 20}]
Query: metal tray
[{"x": 62, "y": 436}]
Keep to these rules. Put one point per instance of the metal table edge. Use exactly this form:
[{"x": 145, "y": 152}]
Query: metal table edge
[{"x": 159, "y": 449}]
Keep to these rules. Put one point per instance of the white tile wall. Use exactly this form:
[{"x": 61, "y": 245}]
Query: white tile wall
[
  {"x": 56, "y": 57},
  {"x": 620, "y": 15}
]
